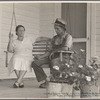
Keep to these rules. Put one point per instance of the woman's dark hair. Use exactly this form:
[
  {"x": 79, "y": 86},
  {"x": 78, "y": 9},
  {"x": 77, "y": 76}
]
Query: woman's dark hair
[{"x": 17, "y": 27}]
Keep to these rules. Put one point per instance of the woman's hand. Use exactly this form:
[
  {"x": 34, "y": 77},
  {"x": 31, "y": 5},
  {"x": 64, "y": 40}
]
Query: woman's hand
[{"x": 11, "y": 36}]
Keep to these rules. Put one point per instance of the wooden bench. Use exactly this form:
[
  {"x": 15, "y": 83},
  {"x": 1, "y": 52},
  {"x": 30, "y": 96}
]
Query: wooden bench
[{"x": 40, "y": 47}]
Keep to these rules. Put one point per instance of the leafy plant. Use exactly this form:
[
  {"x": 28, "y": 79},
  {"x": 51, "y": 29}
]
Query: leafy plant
[{"x": 76, "y": 71}]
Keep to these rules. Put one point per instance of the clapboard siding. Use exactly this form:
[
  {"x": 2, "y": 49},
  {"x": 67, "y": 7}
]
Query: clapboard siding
[
  {"x": 49, "y": 12},
  {"x": 98, "y": 49},
  {"x": 27, "y": 15},
  {"x": 46, "y": 26},
  {"x": 37, "y": 19},
  {"x": 98, "y": 29},
  {"x": 98, "y": 37},
  {"x": 98, "y": 25},
  {"x": 97, "y": 19}
]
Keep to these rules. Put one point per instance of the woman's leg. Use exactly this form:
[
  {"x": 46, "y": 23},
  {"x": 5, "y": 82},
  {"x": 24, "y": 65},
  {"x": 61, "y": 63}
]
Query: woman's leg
[
  {"x": 21, "y": 75},
  {"x": 16, "y": 84},
  {"x": 17, "y": 72}
]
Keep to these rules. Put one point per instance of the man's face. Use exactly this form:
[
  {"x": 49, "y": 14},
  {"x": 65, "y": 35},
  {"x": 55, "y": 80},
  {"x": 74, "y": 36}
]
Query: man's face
[{"x": 59, "y": 30}]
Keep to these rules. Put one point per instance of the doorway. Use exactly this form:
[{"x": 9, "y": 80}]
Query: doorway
[{"x": 75, "y": 14}]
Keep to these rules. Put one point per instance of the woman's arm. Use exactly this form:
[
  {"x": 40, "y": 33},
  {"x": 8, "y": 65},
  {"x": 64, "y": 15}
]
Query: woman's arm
[{"x": 10, "y": 43}]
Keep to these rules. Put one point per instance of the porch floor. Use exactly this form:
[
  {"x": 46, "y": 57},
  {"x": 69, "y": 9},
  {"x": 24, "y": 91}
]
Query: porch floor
[{"x": 31, "y": 89}]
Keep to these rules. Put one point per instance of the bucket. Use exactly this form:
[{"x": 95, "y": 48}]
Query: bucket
[
  {"x": 76, "y": 94},
  {"x": 59, "y": 90},
  {"x": 90, "y": 91}
]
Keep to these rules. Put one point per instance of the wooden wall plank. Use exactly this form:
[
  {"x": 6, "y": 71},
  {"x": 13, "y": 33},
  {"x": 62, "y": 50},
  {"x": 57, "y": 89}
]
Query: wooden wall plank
[
  {"x": 27, "y": 15},
  {"x": 97, "y": 29}
]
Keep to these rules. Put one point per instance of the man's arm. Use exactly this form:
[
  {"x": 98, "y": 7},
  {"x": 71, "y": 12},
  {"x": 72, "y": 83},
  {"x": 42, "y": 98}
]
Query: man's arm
[
  {"x": 47, "y": 54},
  {"x": 68, "y": 43},
  {"x": 44, "y": 55}
]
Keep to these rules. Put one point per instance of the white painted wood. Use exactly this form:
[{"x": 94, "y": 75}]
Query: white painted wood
[
  {"x": 57, "y": 11},
  {"x": 80, "y": 39},
  {"x": 98, "y": 52},
  {"x": 37, "y": 19},
  {"x": 26, "y": 15},
  {"x": 88, "y": 32},
  {"x": 97, "y": 31},
  {"x": 0, "y": 29},
  {"x": 47, "y": 12},
  {"x": 93, "y": 30},
  {"x": 97, "y": 43},
  {"x": 97, "y": 40},
  {"x": 98, "y": 49}
]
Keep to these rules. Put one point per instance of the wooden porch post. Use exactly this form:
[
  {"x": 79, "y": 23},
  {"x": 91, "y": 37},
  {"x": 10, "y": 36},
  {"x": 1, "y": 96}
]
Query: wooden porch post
[
  {"x": 92, "y": 29},
  {"x": 0, "y": 25}
]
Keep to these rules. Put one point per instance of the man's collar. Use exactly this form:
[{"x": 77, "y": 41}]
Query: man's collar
[{"x": 64, "y": 35}]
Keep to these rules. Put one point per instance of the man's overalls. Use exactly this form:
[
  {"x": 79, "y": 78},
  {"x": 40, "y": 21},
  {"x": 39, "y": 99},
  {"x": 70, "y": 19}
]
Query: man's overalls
[{"x": 57, "y": 44}]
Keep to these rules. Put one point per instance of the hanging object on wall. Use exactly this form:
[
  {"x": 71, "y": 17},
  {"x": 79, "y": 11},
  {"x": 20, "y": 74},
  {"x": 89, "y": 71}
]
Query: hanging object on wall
[{"x": 12, "y": 19}]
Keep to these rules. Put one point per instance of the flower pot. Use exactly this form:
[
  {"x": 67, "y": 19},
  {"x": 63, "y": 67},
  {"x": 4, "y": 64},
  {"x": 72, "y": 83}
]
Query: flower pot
[
  {"x": 89, "y": 91},
  {"x": 59, "y": 90},
  {"x": 76, "y": 93}
]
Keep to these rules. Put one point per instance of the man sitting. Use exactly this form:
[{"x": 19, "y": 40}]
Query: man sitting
[{"x": 61, "y": 41}]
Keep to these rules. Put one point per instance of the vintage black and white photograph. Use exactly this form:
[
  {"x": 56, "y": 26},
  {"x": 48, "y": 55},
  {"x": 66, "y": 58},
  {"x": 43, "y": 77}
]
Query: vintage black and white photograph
[{"x": 49, "y": 50}]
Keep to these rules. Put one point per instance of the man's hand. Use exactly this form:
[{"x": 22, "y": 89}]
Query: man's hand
[
  {"x": 37, "y": 57},
  {"x": 46, "y": 55}
]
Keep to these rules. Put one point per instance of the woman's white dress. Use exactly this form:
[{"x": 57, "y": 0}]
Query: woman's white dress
[{"x": 22, "y": 57}]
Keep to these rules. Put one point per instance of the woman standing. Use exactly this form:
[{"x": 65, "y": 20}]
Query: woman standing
[{"x": 22, "y": 55}]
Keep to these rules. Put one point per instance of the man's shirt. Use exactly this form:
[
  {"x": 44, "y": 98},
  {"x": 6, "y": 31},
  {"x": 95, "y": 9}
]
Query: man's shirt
[{"x": 62, "y": 43}]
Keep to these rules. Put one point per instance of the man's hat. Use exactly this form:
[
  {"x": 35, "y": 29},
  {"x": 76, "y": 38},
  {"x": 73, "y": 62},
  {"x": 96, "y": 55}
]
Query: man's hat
[{"x": 60, "y": 22}]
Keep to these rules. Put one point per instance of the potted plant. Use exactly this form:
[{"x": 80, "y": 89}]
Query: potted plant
[
  {"x": 75, "y": 75},
  {"x": 61, "y": 79},
  {"x": 88, "y": 79}
]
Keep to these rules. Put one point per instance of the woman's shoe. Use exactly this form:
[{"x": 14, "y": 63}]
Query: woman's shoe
[
  {"x": 21, "y": 85},
  {"x": 16, "y": 85}
]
